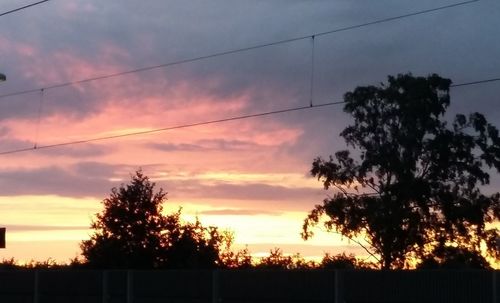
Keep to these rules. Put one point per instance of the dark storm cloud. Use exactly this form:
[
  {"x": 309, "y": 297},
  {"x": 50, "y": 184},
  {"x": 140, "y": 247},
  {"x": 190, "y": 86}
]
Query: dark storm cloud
[
  {"x": 53, "y": 181},
  {"x": 71, "y": 151},
  {"x": 76, "y": 151},
  {"x": 204, "y": 145},
  {"x": 230, "y": 145},
  {"x": 158, "y": 32},
  {"x": 263, "y": 196},
  {"x": 171, "y": 39},
  {"x": 7, "y": 145},
  {"x": 95, "y": 169},
  {"x": 23, "y": 106},
  {"x": 258, "y": 191},
  {"x": 458, "y": 43},
  {"x": 94, "y": 179},
  {"x": 172, "y": 147}
]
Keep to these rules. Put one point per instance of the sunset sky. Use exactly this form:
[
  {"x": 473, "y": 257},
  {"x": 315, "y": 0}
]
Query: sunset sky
[{"x": 250, "y": 175}]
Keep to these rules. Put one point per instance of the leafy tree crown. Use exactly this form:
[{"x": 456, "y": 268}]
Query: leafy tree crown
[{"x": 417, "y": 181}]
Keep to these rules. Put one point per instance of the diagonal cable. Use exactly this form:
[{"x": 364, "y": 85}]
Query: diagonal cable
[
  {"x": 238, "y": 50},
  {"x": 22, "y": 7},
  {"x": 163, "y": 129}
]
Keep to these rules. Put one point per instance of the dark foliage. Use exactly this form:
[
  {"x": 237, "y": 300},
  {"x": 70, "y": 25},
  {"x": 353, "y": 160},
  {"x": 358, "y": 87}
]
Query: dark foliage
[
  {"x": 12, "y": 264},
  {"x": 9, "y": 264},
  {"x": 132, "y": 232},
  {"x": 191, "y": 245},
  {"x": 277, "y": 260},
  {"x": 343, "y": 261},
  {"x": 231, "y": 259},
  {"x": 454, "y": 258},
  {"x": 416, "y": 182}
]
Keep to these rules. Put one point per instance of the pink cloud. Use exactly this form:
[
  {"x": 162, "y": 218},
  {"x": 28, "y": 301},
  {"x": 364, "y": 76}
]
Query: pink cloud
[
  {"x": 63, "y": 65},
  {"x": 19, "y": 48},
  {"x": 71, "y": 67},
  {"x": 71, "y": 8}
]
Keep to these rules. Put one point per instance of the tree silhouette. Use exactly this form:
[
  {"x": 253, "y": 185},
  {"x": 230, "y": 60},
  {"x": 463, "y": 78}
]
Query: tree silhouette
[
  {"x": 453, "y": 258},
  {"x": 277, "y": 260},
  {"x": 232, "y": 259},
  {"x": 128, "y": 232},
  {"x": 415, "y": 183},
  {"x": 191, "y": 245},
  {"x": 343, "y": 261},
  {"x": 132, "y": 232}
]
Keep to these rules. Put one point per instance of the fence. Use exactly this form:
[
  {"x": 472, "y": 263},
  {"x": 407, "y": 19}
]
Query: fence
[{"x": 245, "y": 286}]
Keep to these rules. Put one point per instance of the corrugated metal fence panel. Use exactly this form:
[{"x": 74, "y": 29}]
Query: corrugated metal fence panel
[
  {"x": 70, "y": 286},
  {"x": 115, "y": 286},
  {"x": 276, "y": 286},
  {"x": 416, "y": 286},
  {"x": 16, "y": 286},
  {"x": 233, "y": 286},
  {"x": 175, "y": 286},
  {"x": 497, "y": 280}
]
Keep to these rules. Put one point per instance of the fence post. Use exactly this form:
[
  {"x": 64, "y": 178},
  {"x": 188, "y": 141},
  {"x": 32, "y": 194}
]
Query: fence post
[
  {"x": 35, "y": 288},
  {"x": 104, "y": 286},
  {"x": 333, "y": 293},
  {"x": 130, "y": 285},
  {"x": 494, "y": 286},
  {"x": 215, "y": 286},
  {"x": 336, "y": 287}
]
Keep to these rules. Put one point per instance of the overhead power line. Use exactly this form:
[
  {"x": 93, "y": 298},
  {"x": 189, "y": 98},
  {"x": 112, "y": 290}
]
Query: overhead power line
[
  {"x": 475, "y": 82},
  {"x": 238, "y": 50},
  {"x": 22, "y": 7},
  {"x": 157, "y": 130},
  {"x": 233, "y": 118}
]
